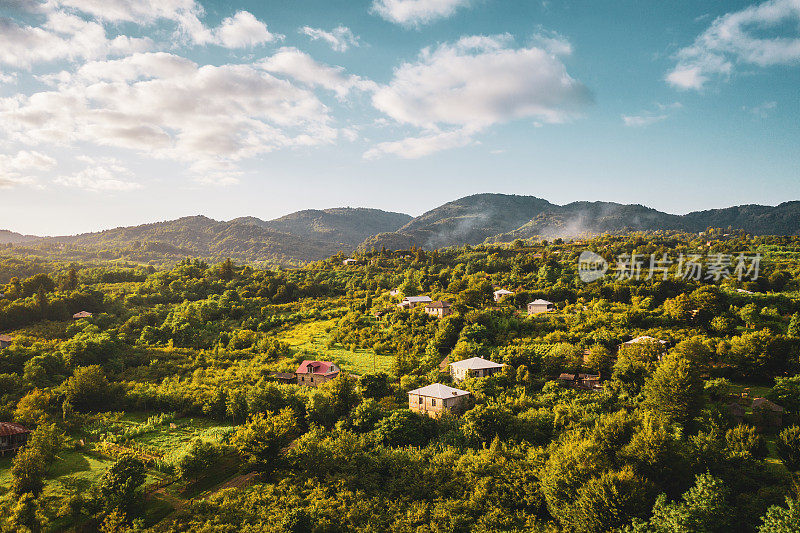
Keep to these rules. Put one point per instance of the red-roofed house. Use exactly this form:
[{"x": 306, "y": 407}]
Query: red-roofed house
[
  {"x": 314, "y": 373},
  {"x": 82, "y": 314},
  {"x": 12, "y": 437}
]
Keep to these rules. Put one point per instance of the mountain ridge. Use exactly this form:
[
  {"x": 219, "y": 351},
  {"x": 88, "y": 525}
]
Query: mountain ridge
[{"x": 314, "y": 234}]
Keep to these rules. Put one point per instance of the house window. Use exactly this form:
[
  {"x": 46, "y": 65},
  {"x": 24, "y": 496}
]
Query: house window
[
  {"x": 312, "y": 380},
  {"x": 302, "y": 378},
  {"x": 433, "y": 403},
  {"x": 421, "y": 401}
]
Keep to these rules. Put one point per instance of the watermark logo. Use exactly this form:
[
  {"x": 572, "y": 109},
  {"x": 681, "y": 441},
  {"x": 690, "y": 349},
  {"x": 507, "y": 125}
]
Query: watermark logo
[
  {"x": 591, "y": 266},
  {"x": 713, "y": 267}
]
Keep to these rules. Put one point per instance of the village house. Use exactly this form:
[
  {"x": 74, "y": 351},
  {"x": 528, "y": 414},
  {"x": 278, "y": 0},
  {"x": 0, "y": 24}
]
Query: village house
[
  {"x": 6, "y": 340},
  {"x": 642, "y": 338},
  {"x": 767, "y": 413},
  {"x": 12, "y": 437},
  {"x": 581, "y": 381},
  {"x": 350, "y": 261},
  {"x": 315, "y": 373},
  {"x": 409, "y": 302},
  {"x": 434, "y": 400},
  {"x": 394, "y": 292},
  {"x": 501, "y": 294},
  {"x": 439, "y": 309},
  {"x": 284, "y": 377},
  {"x": 540, "y": 306},
  {"x": 82, "y": 314},
  {"x": 474, "y": 367}
]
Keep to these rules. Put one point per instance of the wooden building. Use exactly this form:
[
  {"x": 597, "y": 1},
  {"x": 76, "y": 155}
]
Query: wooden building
[
  {"x": 6, "y": 340},
  {"x": 12, "y": 437}
]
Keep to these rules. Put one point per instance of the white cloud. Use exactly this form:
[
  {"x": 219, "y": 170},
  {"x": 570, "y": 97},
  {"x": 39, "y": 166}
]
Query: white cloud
[
  {"x": 646, "y": 118},
  {"x": 8, "y": 77},
  {"x": 740, "y": 38},
  {"x": 64, "y": 32},
  {"x": 303, "y": 68},
  {"x": 17, "y": 169},
  {"x": 416, "y": 12},
  {"x": 764, "y": 109},
  {"x": 456, "y": 90},
  {"x": 340, "y": 39},
  {"x": 63, "y": 36},
  {"x": 103, "y": 175},
  {"x": 416, "y": 147},
  {"x": 642, "y": 120},
  {"x": 478, "y": 82},
  {"x": 241, "y": 31},
  {"x": 165, "y": 106}
]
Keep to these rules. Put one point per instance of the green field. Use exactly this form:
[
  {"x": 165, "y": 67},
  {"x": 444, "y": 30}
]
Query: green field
[{"x": 311, "y": 340}]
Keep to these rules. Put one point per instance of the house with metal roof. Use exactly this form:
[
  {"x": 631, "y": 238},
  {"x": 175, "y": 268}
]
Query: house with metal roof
[
  {"x": 315, "y": 373},
  {"x": 502, "y": 293},
  {"x": 409, "y": 302},
  {"x": 6, "y": 340},
  {"x": 12, "y": 437},
  {"x": 437, "y": 399},
  {"x": 474, "y": 367},
  {"x": 540, "y": 306}
]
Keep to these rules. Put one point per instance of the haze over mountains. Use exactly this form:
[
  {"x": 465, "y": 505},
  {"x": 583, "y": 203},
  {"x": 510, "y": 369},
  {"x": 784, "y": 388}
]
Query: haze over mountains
[{"x": 315, "y": 234}]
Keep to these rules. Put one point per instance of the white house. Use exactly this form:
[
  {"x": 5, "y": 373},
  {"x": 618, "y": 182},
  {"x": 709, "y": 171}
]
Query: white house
[
  {"x": 433, "y": 400},
  {"x": 540, "y": 306},
  {"x": 474, "y": 367},
  {"x": 502, "y": 293},
  {"x": 410, "y": 302}
]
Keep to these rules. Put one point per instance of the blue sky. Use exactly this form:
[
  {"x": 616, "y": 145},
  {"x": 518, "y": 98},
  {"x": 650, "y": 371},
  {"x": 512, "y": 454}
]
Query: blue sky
[{"x": 119, "y": 112}]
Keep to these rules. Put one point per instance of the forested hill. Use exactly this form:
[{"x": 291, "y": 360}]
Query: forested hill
[
  {"x": 344, "y": 225},
  {"x": 316, "y": 234},
  {"x": 503, "y": 218},
  {"x": 290, "y": 240},
  {"x": 7, "y": 236}
]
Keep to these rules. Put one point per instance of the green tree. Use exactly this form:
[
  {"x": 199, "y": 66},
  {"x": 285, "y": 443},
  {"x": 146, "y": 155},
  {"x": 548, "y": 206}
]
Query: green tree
[
  {"x": 260, "y": 440},
  {"x": 406, "y": 428},
  {"x": 675, "y": 390},
  {"x": 198, "y": 459},
  {"x": 703, "y": 509},
  {"x": 25, "y": 515},
  {"x": 782, "y": 519},
  {"x": 794, "y": 326},
  {"x": 120, "y": 486},
  {"x": 88, "y": 389},
  {"x": 744, "y": 442},
  {"x": 788, "y": 445}
]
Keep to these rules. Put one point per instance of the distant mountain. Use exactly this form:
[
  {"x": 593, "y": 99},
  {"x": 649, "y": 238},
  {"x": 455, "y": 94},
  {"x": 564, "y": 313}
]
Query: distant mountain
[
  {"x": 468, "y": 220},
  {"x": 290, "y": 240},
  {"x": 346, "y": 225},
  {"x": 503, "y": 218},
  {"x": 10, "y": 237},
  {"x": 316, "y": 234}
]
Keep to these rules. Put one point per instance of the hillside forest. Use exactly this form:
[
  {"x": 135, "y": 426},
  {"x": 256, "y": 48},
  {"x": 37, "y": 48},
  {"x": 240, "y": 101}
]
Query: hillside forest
[{"x": 166, "y": 407}]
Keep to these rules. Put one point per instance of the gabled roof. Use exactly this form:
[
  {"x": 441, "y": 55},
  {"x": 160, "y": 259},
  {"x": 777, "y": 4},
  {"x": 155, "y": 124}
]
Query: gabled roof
[
  {"x": 541, "y": 302},
  {"x": 437, "y": 390},
  {"x": 763, "y": 403},
  {"x": 6, "y": 338},
  {"x": 82, "y": 314},
  {"x": 316, "y": 367},
  {"x": 502, "y": 292},
  {"x": 10, "y": 428},
  {"x": 476, "y": 363},
  {"x": 417, "y": 299},
  {"x": 644, "y": 338}
]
